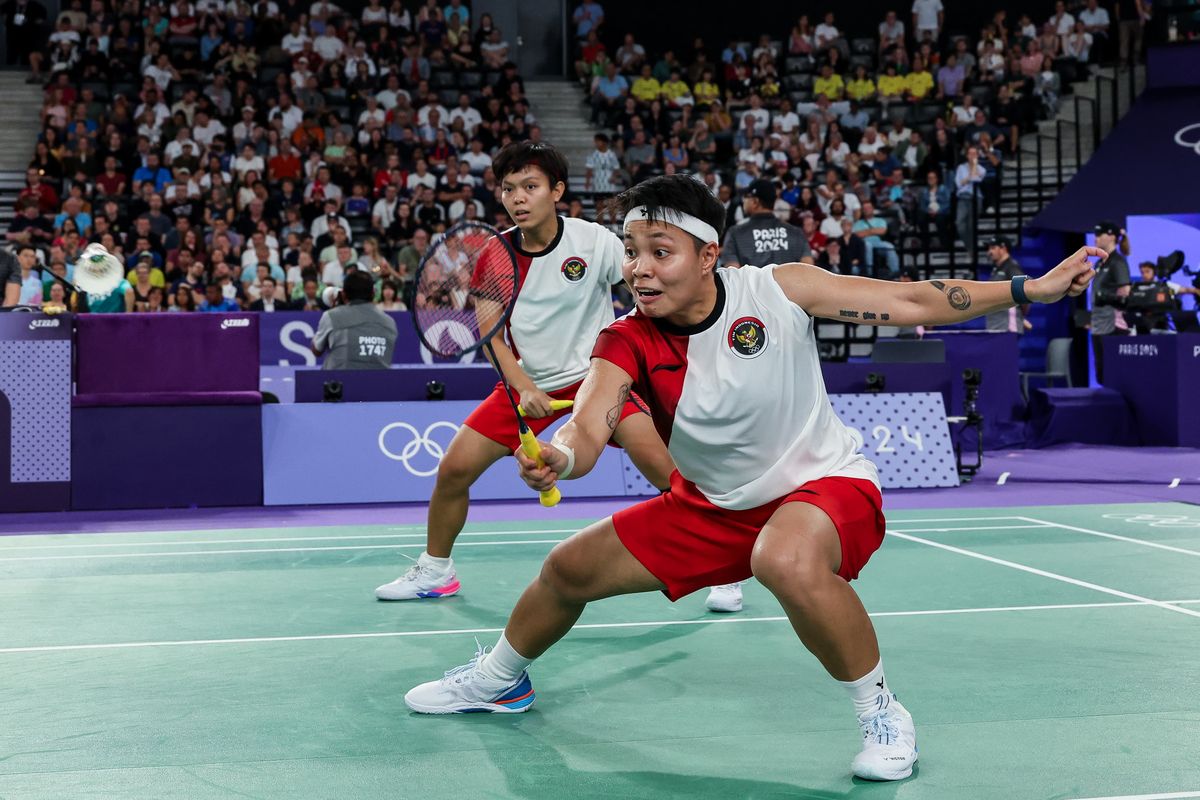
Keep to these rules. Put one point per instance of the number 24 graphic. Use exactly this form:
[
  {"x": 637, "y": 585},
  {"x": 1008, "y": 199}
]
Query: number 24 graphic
[{"x": 885, "y": 433}]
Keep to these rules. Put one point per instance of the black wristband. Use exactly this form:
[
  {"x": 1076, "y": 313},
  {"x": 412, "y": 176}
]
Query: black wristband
[{"x": 1018, "y": 290}]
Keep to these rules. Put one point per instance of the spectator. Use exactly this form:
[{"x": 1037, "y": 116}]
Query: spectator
[
  {"x": 928, "y": 17},
  {"x": 872, "y": 229},
  {"x": 390, "y": 297},
  {"x": 967, "y": 180},
  {"x": 603, "y": 169},
  {"x": 630, "y": 55},
  {"x": 216, "y": 301},
  {"x": 588, "y": 17},
  {"x": 933, "y": 206},
  {"x": 608, "y": 94}
]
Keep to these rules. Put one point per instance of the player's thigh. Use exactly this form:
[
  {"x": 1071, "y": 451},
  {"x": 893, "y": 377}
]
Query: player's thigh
[
  {"x": 638, "y": 437},
  {"x": 594, "y": 564},
  {"x": 798, "y": 542},
  {"x": 470, "y": 453}
]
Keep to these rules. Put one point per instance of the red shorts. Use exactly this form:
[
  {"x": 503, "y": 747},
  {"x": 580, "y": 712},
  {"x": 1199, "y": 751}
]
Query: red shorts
[
  {"x": 688, "y": 543},
  {"x": 494, "y": 417}
]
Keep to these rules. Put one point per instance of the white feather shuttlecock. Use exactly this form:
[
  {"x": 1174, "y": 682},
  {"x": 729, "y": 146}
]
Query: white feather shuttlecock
[{"x": 98, "y": 271}]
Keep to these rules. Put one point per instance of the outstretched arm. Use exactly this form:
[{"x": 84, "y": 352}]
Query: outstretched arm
[
  {"x": 875, "y": 302},
  {"x": 597, "y": 411}
]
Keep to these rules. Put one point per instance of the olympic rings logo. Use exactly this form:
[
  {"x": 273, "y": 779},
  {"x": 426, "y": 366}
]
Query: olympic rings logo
[
  {"x": 420, "y": 442},
  {"x": 1158, "y": 520},
  {"x": 1182, "y": 141}
]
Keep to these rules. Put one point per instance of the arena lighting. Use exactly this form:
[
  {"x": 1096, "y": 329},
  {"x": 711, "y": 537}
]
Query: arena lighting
[
  {"x": 331, "y": 391},
  {"x": 876, "y": 381},
  {"x": 435, "y": 390}
]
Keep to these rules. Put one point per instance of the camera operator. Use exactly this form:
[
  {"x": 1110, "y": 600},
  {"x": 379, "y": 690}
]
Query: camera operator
[
  {"x": 1146, "y": 321},
  {"x": 1111, "y": 287},
  {"x": 355, "y": 333}
]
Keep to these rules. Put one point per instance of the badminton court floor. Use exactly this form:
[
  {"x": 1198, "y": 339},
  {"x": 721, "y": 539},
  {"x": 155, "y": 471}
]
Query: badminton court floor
[{"x": 1048, "y": 652}]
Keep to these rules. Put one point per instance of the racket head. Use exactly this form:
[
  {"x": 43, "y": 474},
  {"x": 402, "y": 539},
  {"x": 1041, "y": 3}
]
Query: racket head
[{"x": 464, "y": 289}]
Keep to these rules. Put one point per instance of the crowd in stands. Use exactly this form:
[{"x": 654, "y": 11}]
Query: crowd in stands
[
  {"x": 909, "y": 127},
  {"x": 249, "y": 154},
  {"x": 240, "y": 154}
]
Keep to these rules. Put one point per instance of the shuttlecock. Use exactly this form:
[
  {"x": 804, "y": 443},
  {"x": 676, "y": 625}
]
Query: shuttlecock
[{"x": 98, "y": 271}]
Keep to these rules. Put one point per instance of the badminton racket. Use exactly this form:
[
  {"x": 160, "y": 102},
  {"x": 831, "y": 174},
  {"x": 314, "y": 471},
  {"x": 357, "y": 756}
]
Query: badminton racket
[{"x": 464, "y": 291}]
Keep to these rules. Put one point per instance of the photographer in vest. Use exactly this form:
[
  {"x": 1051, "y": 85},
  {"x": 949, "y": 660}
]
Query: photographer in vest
[{"x": 356, "y": 334}]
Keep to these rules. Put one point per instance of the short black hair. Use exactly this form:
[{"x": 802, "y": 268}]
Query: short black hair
[
  {"x": 359, "y": 285},
  {"x": 517, "y": 156},
  {"x": 678, "y": 192}
]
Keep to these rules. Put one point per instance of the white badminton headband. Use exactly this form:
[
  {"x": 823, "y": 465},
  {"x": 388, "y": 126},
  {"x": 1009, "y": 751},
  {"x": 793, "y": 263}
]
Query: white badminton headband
[{"x": 693, "y": 225}]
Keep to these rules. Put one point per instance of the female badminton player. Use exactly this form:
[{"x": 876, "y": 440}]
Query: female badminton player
[
  {"x": 770, "y": 483},
  {"x": 566, "y": 268}
]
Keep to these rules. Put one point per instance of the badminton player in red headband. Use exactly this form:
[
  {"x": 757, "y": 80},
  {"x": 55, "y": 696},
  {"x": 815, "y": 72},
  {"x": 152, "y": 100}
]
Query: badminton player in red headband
[{"x": 770, "y": 483}]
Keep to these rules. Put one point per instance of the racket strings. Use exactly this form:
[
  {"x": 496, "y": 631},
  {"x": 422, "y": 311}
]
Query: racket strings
[{"x": 464, "y": 290}]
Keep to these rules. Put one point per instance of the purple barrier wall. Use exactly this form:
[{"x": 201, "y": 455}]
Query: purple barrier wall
[
  {"x": 166, "y": 457},
  {"x": 389, "y": 452},
  {"x": 189, "y": 353},
  {"x": 1159, "y": 376},
  {"x": 35, "y": 412}
]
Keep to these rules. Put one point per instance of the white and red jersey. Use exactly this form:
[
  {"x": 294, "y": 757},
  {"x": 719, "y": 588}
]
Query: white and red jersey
[
  {"x": 564, "y": 301},
  {"x": 739, "y": 398}
]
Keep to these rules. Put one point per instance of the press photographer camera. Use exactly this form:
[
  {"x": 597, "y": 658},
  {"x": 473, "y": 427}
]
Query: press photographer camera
[{"x": 1154, "y": 303}]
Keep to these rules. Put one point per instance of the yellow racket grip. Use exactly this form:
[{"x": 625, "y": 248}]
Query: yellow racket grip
[
  {"x": 555, "y": 405},
  {"x": 530, "y": 445}
]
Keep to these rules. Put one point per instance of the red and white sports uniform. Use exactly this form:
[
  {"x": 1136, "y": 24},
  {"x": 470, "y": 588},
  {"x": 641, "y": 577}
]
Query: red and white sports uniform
[
  {"x": 563, "y": 302},
  {"x": 740, "y": 401}
]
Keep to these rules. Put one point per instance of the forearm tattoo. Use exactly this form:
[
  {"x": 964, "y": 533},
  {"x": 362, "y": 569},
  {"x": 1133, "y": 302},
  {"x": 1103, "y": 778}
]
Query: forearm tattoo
[
  {"x": 865, "y": 316},
  {"x": 958, "y": 297},
  {"x": 614, "y": 414}
]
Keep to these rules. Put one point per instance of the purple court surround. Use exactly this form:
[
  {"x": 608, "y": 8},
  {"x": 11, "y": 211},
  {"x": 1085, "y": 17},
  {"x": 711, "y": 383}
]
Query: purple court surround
[{"x": 1065, "y": 475}]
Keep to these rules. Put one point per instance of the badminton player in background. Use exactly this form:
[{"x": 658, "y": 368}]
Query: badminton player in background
[
  {"x": 770, "y": 482},
  {"x": 567, "y": 268}
]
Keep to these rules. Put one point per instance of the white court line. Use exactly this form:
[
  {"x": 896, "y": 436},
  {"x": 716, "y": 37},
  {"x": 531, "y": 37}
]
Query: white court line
[
  {"x": 1043, "y": 573},
  {"x": 373, "y": 536},
  {"x": 1163, "y": 796},
  {"x": 1003, "y": 479},
  {"x": 1142, "y": 542},
  {"x": 363, "y": 537},
  {"x": 588, "y": 626},
  {"x": 266, "y": 550}
]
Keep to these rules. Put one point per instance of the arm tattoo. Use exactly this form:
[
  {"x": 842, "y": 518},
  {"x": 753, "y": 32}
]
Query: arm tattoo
[
  {"x": 614, "y": 414},
  {"x": 867, "y": 316},
  {"x": 958, "y": 297}
]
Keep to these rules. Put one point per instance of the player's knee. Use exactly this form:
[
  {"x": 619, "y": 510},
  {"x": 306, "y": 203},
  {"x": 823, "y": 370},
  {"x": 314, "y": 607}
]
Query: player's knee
[
  {"x": 455, "y": 473},
  {"x": 792, "y": 563},
  {"x": 565, "y": 574}
]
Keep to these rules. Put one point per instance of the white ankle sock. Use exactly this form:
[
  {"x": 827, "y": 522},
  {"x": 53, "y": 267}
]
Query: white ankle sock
[
  {"x": 866, "y": 689},
  {"x": 440, "y": 564},
  {"x": 503, "y": 663}
]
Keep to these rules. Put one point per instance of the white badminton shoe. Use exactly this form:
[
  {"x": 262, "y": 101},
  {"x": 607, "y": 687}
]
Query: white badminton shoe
[
  {"x": 889, "y": 742},
  {"x": 465, "y": 690},
  {"x": 726, "y": 598},
  {"x": 421, "y": 582}
]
